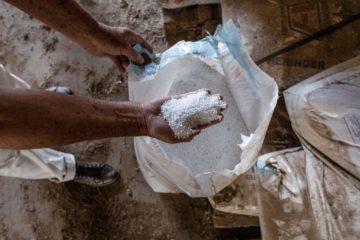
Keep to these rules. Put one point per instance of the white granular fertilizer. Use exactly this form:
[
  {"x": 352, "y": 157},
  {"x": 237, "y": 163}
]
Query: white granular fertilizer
[
  {"x": 215, "y": 148},
  {"x": 193, "y": 110}
]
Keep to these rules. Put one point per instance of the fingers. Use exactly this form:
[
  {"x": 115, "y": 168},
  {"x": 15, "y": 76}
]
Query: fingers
[
  {"x": 144, "y": 44},
  {"x": 202, "y": 90},
  {"x": 221, "y": 98},
  {"x": 219, "y": 120},
  {"x": 125, "y": 65},
  {"x": 195, "y": 133},
  {"x": 135, "y": 38},
  {"x": 125, "y": 62},
  {"x": 118, "y": 63},
  {"x": 130, "y": 53},
  {"x": 218, "y": 96},
  {"x": 175, "y": 140},
  {"x": 119, "y": 41},
  {"x": 121, "y": 62},
  {"x": 133, "y": 56}
]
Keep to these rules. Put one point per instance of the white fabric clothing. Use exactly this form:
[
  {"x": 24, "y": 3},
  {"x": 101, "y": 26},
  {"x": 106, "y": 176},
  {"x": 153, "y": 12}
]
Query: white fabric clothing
[{"x": 42, "y": 163}]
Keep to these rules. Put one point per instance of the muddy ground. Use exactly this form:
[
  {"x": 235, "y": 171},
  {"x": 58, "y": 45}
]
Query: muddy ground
[{"x": 128, "y": 209}]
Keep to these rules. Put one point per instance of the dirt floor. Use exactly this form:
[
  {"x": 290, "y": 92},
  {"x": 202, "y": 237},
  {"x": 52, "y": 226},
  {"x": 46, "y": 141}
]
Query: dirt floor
[{"x": 128, "y": 209}]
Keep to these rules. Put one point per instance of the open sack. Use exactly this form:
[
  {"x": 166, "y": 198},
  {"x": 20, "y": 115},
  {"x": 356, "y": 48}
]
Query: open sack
[{"x": 222, "y": 152}]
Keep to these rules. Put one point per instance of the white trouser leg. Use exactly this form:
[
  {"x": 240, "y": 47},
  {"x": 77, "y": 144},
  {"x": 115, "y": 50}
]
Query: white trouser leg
[
  {"x": 33, "y": 163},
  {"x": 37, "y": 164}
]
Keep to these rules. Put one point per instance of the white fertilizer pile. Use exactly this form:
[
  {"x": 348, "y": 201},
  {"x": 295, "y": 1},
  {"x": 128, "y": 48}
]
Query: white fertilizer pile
[{"x": 193, "y": 110}]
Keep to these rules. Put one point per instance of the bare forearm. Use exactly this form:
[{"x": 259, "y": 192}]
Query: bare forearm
[
  {"x": 65, "y": 16},
  {"x": 34, "y": 119}
]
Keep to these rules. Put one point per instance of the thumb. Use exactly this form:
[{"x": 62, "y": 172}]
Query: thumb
[
  {"x": 133, "y": 55},
  {"x": 118, "y": 63}
]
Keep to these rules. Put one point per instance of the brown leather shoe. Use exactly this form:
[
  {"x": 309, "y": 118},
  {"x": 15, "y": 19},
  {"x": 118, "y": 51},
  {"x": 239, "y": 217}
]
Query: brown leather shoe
[{"x": 95, "y": 174}]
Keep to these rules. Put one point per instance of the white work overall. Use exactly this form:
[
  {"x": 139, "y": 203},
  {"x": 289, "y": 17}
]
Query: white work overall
[{"x": 42, "y": 163}]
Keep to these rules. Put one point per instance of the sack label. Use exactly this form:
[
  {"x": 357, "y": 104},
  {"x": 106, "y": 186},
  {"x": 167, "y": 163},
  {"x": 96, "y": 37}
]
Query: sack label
[{"x": 353, "y": 124}]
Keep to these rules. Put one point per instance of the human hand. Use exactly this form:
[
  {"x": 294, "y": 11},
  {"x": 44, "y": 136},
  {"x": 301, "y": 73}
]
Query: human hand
[
  {"x": 116, "y": 43},
  {"x": 157, "y": 127}
]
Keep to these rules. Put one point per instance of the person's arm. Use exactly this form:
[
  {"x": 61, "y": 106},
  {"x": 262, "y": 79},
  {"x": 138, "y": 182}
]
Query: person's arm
[
  {"x": 37, "y": 119},
  {"x": 67, "y": 17}
]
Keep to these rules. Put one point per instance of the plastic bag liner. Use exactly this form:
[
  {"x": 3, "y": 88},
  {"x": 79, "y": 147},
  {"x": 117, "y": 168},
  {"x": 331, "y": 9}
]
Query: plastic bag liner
[
  {"x": 325, "y": 111},
  {"x": 220, "y": 153}
]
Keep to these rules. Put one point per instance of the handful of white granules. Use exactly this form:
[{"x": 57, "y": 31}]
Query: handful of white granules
[{"x": 187, "y": 113}]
